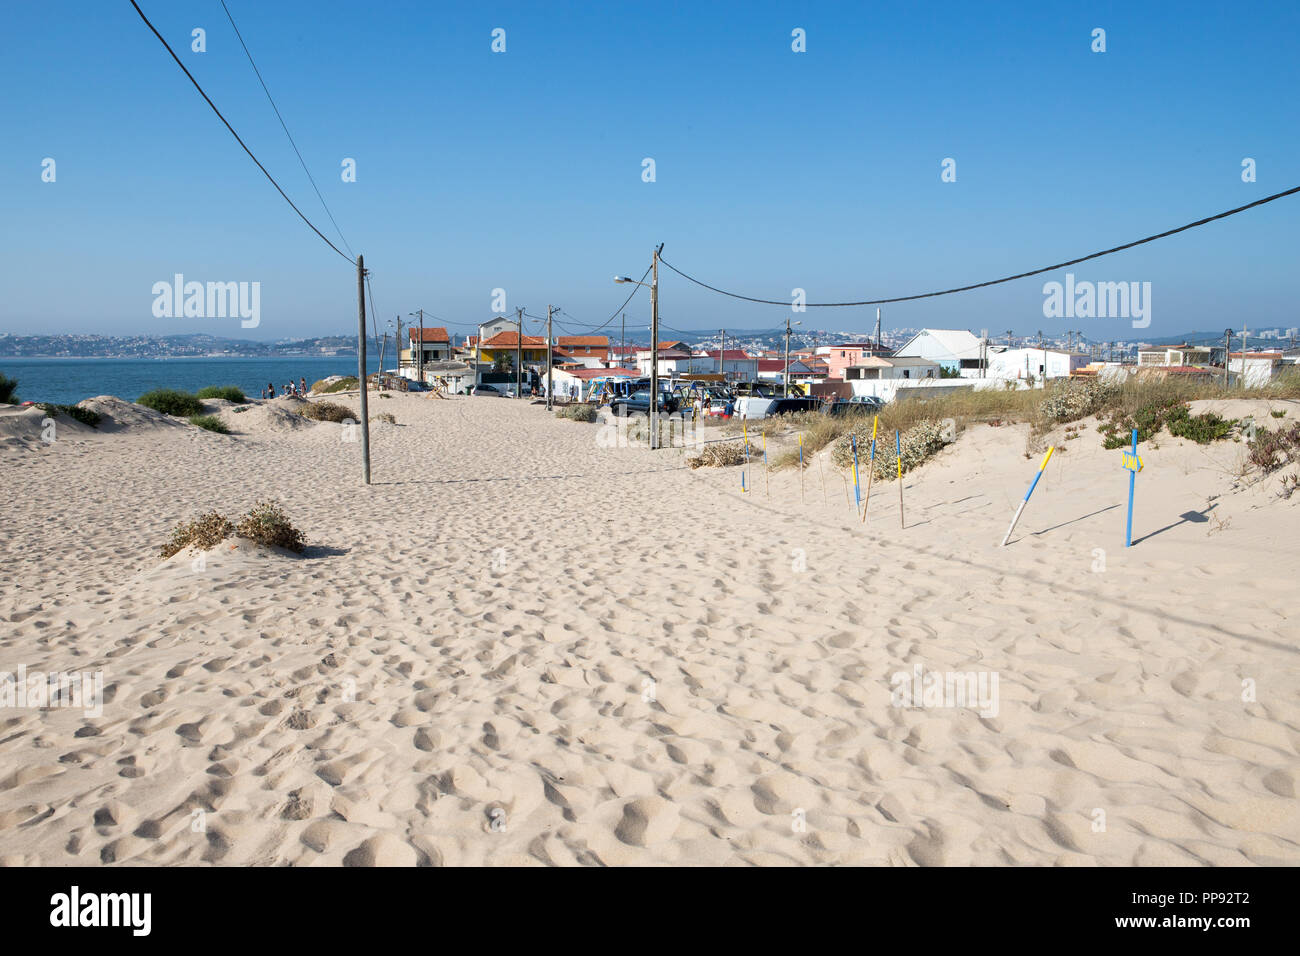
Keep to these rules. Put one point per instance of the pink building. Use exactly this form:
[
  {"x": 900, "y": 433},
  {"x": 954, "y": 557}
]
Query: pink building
[{"x": 842, "y": 356}]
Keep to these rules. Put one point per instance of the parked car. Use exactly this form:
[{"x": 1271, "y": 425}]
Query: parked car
[
  {"x": 487, "y": 390},
  {"x": 638, "y": 403},
  {"x": 857, "y": 405},
  {"x": 787, "y": 406}
]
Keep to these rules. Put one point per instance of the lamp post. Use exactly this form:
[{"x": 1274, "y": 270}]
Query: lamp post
[{"x": 654, "y": 344}]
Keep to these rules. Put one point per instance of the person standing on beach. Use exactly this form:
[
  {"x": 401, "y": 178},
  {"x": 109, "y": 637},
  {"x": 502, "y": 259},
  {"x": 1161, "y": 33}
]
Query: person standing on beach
[
  {"x": 270, "y": 390},
  {"x": 302, "y": 387}
]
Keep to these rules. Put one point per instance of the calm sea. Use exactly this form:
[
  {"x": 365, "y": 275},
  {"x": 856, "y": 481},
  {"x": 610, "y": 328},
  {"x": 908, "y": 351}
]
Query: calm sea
[{"x": 69, "y": 380}]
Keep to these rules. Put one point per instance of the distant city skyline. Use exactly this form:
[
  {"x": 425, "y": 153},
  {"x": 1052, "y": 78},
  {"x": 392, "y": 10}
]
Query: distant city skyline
[{"x": 524, "y": 171}]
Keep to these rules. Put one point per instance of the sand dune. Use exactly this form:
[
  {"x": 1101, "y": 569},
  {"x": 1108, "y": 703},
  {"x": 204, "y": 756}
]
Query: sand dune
[{"x": 519, "y": 646}]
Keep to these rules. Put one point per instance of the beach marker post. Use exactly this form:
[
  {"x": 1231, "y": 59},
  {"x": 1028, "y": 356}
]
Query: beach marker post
[
  {"x": 1025, "y": 500},
  {"x": 766, "y": 486},
  {"x": 857, "y": 483},
  {"x": 1133, "y": 464},
  {"x": 871, "y": 469},
  {"x": 898, "y": 451}
]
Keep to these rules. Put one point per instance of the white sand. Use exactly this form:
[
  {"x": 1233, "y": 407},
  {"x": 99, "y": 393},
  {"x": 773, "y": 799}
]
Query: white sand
[{"x": 639, "y": 676}]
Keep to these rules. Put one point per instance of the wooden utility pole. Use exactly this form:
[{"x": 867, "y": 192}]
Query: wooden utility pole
[
  {"x": 786, "y": 387},
  {"x": 398, "y": 345},
  {"x": 548, "y": 358},
  {"x": 722, "y": 355},
  {"x": 361, "y": 369},
  {"x": 478, "y": 357},
  {"x": 1243, "y": 356},
  {"x": 654, "y": 350},
  {"x": 1227, "y": 351},
  {"x": 519, "y": 353}
]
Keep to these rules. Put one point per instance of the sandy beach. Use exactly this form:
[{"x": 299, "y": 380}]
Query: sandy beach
[{"x": 519, "y": 646}]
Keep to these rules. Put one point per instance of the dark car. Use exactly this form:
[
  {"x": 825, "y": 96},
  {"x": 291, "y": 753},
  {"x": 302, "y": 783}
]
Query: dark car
[
  {"x": 857, "y": 405},
  {"x": 638, "y": 403},
  {"x": 487, "y": 390},
  {"x": 787, "y": 406}
]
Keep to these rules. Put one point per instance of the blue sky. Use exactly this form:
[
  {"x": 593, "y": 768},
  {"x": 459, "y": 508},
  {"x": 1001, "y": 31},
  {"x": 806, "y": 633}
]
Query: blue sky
[{"x": 775, "y": 169}]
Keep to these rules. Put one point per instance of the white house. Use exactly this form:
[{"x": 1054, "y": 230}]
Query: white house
[
  {"x": 1253, "y": 369},
  {"x": 956, "y": 350},
  {"x": 1024, "y": 364}
]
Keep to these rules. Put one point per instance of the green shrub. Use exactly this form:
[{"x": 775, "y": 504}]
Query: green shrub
[
  {"x": 1070, "y": 399},
  {"x": 267, "y": 524},
  {"x": 210, "y": 423},
  {"x": 1148, "y": 419},
  {"x": 328, "y": 412},
  {"x": 8, "y": 386},
  {"x": 1201, "y": 429},
  {"x": 720, "y": 455},
  {"x": 919, "y": 443},
  {"x": 342, "y": 385},
  {"x": 1270, "y": 451},
  {"x": 229, "y": 392},
  {"x": 76, "y": 412},
  {"x": 578, "y": 412},
  {"x": 171, "y": 402},
  {"x": 204, "y": 533}
]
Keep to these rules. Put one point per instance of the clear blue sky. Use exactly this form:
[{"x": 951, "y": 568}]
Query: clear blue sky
[{"x": 522, "y": 170}]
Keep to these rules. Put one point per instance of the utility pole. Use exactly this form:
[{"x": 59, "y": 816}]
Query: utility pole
[
  {"x": 622, "y": 342},
  {"x": 519, "y": 353},
  {"x": 1227, "y": 351},
  {"x": 361, "y": 368},
  {"x": 1043, "y": 370},
  {"x": 786, "y": 391},
  {"x": 1243, "y": 355},
  {"x": 877, "y": 328},
  {"x": 722, "y": 355},
  {"x": 654, "y": 350},
  {"x": 1008, "y": 338},
  {"x": 478, "y": 356},
  {"x": 548, "y": 358},
  {"x": 398, "y": 345}
]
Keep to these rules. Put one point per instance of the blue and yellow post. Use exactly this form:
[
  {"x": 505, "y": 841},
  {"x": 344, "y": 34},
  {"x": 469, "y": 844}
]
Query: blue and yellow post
[{"x": 1025, "y": 500}]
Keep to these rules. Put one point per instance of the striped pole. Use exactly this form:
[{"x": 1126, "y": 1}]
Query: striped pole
[
  {"x": 871, "y": 469},
  {"x": 857, "y": 484},
  {"x": 1025, "y": 500},
  {"x": 1132, "y": 482},
  {"x": 898, "y": 450}
]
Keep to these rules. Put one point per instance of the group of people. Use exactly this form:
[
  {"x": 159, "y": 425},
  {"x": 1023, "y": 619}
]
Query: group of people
[{"x": 297, "y": 391}]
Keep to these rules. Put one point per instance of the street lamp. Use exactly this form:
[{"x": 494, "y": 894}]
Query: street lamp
[{"x": 654, "y": 344}]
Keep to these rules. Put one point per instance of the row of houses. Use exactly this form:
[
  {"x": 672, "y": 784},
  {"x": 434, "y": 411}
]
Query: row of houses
[{"x": 932, "y": 358}]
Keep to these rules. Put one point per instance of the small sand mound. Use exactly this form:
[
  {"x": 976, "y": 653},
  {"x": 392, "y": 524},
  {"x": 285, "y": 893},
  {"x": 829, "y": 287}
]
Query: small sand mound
[
  {"x": 24, "y": 425},
  {"x": 266, "y": 418},
  {"x": 117, "y": 414}
]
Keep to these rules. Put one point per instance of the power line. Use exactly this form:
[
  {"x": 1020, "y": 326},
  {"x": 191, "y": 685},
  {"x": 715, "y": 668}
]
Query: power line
[
  {"x": 981, "y": 285},
  {"x": 285, "y": 127},
  {"x": 236, "y": 135}
]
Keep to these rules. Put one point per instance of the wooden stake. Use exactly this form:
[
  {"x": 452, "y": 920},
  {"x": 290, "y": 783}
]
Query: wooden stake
[{"x": 871, "y": 469}]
